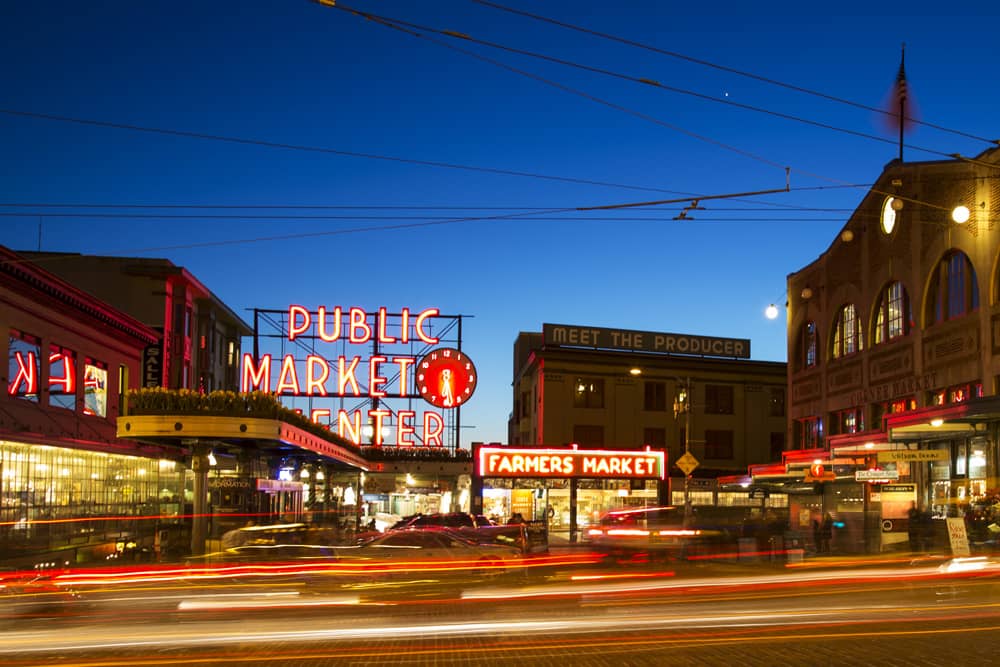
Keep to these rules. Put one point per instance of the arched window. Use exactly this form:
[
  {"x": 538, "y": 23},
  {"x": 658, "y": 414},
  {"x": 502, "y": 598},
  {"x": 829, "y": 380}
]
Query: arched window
[
  {"x": 806, "y": 346},
  {"x": 953, "y": 290},
  {"x": 893, "y": 316},
  {"x": 847, "y": 336}
]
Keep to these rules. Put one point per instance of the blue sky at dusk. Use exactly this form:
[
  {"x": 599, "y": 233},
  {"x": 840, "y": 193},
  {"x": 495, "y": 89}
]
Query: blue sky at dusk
[{"x": 265, "y": 226}]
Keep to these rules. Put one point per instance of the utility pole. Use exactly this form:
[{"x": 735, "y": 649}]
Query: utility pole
[{"x": 683, "y": 404}]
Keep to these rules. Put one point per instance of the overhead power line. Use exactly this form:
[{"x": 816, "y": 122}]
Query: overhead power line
[
  {"x": 639, "y": 80},
  {"x": 319, "y": 149},
  {"x": 724, "y": 68}
]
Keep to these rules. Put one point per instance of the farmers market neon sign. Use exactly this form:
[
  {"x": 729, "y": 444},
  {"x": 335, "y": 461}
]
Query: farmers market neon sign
[{"x": 627, "y": 464}]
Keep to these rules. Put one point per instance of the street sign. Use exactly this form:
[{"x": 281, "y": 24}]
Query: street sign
[
  {"x": 758, "y": 494},
  {"x": 687, "y": 463},
  {"x": 876, "y": 475}
]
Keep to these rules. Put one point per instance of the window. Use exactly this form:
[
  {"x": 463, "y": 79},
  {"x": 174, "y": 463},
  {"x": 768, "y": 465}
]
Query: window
[
  {"x": 806, "y": 346},
  {"x": 525, "y": 404},
  {"x": 718, "y": 444},
  {"x": 588, "y": 393},
  {"x": 956, "y": 394},
  {"x": 95, "y": 388},
  {"x": 893, "y": 407},
  {"x": 654, "y": 437},
  {"x": 847, "y": 421},
  {"x": 893, "y": 317},
  {"x": 847, "y": 338},
  {"x": 587, "y": 434},
  {"x": 718, "y": 399},
  {"x": 777, "y": 402},
  {"x": 23, "y": 368},
  {"x": 810, "y": 432},
  {"x": 654, "y": 396},
  {"x": 953, "y": 290},
  {"x": 62, "y": 377}
]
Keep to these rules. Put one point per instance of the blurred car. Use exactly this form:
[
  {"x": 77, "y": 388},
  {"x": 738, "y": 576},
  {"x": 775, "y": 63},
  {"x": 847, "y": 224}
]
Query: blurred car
[
  {"x": 35, "y": 596},
  {"x": 661, "y": 529},
  {"x": 434, "y": 547},
  {"x": 445, "y": 520}
]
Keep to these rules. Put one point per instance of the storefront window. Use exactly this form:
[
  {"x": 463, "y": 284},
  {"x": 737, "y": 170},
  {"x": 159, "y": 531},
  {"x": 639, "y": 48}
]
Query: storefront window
[
  {"x": 23, "y": 366},
  {"x": 95, "y": 388},
  {"x": 62, "y": 377},
  {"x": 56, "y": 493}
]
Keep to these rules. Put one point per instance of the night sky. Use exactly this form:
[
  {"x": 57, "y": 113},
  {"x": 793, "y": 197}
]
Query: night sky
[{"x": 304, "y": 154}]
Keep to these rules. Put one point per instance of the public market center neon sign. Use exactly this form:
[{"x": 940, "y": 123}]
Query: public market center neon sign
[
  {"x": 446, "y": 377},
  {"x": 565, "y": 463}
]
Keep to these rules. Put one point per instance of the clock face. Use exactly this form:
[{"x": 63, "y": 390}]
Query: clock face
[
  {"x": 888, "y": 215},
  {"x": 446, "y": 377}
]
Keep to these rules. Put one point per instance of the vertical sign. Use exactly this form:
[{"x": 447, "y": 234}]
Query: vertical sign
[{"x": 152, "y": 366}]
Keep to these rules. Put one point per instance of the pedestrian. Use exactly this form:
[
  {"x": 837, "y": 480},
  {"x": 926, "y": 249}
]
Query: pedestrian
[
  {"x": 816, "y": 536},
  {"x": 826, "y": 533}
]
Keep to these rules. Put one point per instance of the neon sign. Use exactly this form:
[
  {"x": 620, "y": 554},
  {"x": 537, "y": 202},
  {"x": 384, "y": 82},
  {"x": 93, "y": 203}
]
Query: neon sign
[
  {"x": 446, "y": 380},
  {"x": 625, "y": 464}
]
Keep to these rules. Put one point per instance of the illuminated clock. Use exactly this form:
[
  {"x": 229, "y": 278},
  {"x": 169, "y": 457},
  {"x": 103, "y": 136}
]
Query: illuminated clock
[{"x": 446, "y": 377}]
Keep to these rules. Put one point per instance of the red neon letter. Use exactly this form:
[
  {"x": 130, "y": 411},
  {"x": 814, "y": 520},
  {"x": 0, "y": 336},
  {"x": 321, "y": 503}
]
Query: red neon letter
[
  {"x": 26, "y": 374},
  {"x": 347, "y": 430},
  {"x": 403, "y": 363},
  {"x": 380, "y": 416},
  {"x": 375, "y": 381},
  {"x": 430, "y": 312},
  {"x": 294, "y": 313},
  {"x": 432, "y": 432},
  {"x": 288, "y": 379},
  {"x": 383, "y": 337},
  {"x": 338, "y": 317},
  {"x": 259, "y": 380},
  {"x": 404, "y": 429},
  {"x": 314, "y": 383},
  {"x": 68, "y": 379},
  {"x": 345, "y": 375},
  {"x": 359, "y": 322},
  {"x": 316, "y": 414}
]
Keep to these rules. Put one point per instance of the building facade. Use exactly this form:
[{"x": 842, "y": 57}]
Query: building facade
[
  {"x": 200, "y": 336},
  {"x": 628, "y": 390},
  {"x": 63, "y": 470},
  {"x": 894, "y": 348}
]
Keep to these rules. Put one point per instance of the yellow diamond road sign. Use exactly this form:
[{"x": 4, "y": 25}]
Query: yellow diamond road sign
[{"x": 687, "y": 463}]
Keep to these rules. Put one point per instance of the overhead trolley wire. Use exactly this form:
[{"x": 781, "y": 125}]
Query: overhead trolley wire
[{"x": 725, "y": 68}]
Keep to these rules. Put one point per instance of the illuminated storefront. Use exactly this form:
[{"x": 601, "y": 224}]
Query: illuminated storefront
[{"x": 568, "y": 488}]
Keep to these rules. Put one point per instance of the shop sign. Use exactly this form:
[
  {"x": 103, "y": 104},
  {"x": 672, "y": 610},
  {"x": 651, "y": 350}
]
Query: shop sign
[
  {"x": 876, "y": 475},
  {"x": 645, "y": 341},
  {"x": 507, "y": 462},
  {"x": 152, "y": 366},
  {"x": 241, "y": 483},
  {"x": 896, "y": 455}
]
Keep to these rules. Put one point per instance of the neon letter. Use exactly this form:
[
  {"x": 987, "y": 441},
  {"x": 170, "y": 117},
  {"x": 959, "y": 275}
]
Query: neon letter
[
  {"x": 379, "y": 416},
  {"x": 359, "y": 322},
  {"x": 375, "y": 381},
  {"x": 288, "y": 379},
  {"x": 347, "y": 430},
  {"x": 313, "y": 382},
  {"x": 432, "y": 432},
  {"x": 294, "y": 313},
  {"x": 338, "y": 317},
  {"x": 259, "y": 380},
  {"x": 430, "y": 312},
  {"x": 383, "y": 337},
  {"x": 404, "y": 363},
  {"x": 404, "y": 429},
  {"x": 346, "y": 375},
  {"x": 26, "y": 374}
]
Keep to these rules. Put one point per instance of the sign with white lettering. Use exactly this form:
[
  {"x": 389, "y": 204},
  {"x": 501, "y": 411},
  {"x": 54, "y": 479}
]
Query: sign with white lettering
[
  {"x": 645, "y": 341},
  {"x": 958, "y": 538},
  {"x": 876, "y": 475},
  {"x": 567, "y": 463}
]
